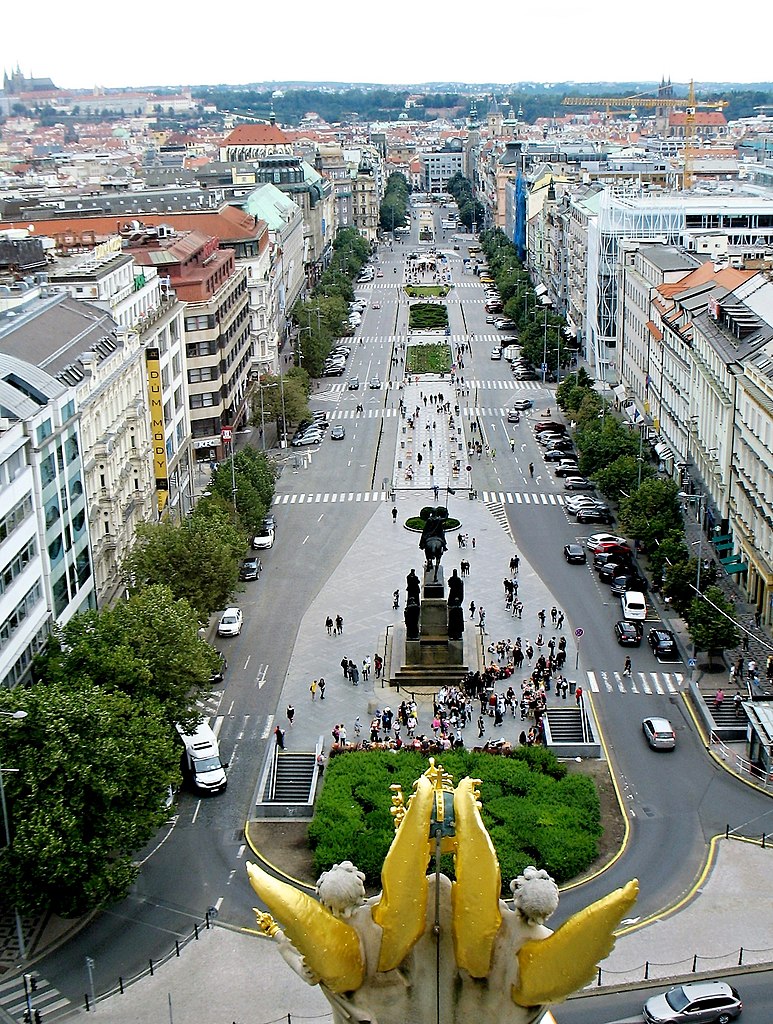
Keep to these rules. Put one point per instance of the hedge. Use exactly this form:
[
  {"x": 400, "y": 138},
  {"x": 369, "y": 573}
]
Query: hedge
[
  {"x": 427, "y": 316},
  {"x": 535, "y": 811}
]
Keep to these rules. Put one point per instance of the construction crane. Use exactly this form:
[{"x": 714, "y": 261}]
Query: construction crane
[{"x": 690, "y": 105}]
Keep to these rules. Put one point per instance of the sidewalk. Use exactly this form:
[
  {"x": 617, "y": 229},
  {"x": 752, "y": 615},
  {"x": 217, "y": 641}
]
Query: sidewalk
[{"x": 254, "y": 984}]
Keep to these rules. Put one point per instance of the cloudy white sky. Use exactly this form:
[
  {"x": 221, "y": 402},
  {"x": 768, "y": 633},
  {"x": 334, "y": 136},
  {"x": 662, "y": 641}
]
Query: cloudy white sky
[{"x": 86, "y": 43}]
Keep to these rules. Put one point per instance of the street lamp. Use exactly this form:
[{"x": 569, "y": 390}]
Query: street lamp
[
  {"x": 17, "y": 716},
  {"x": 700, "y": 498}
]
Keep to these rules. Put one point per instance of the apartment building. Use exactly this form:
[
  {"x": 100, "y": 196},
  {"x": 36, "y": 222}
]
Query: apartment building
[
  {"x": 218, "y": 345},
  {"x": 45, "y": 556}
]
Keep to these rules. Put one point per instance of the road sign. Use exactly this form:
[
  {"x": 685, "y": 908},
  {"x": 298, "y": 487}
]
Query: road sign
[
  {"x": 691, "y": 663},
  {"x": 579, "y": 632},
  {"x": 226, "y": 434},
  {"x": 544, "y": 367},
  {"x": 469, "y": 469}
]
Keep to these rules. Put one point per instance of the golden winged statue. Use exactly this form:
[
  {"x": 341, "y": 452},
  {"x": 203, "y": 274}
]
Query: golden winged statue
[{"x": 427, "y": 948}]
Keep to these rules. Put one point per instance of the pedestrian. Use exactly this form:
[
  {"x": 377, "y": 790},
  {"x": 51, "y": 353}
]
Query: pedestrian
[
  {"x": 290, "y": 713},
  {"x": 627, "y": 666},
  {"x": 719, "y": 697},
  {"x": 531, "y": 470},
  {"x": 394, "y": 514},
  {"x": 345, "y": 666},
  {"x": 342, "y": 734},
  {"x": 321, "y": 686},
  {"x": 436, "y": 491},
  {"x": 339, "y": 625},
  {"x": 541, "y": 617},
  {"x": 473, "y": 543},
  {"x": 578, "y": 695},
  {"x": 560, "y": 621},
  {"x": 482, "y": 617},
  {"x": 472, "y": 609},
  {"x": 481, "y": 726},
  {"x": 329, "y": 626},
  {"x": 377, "y": 662},
  {"x": 354, "y": 675},
  {"x": 313, "y": 689},
  {"x": 279, "y": 736},
  {"x": 512, "y": 444},
  {"x": 553, "y": 614},
  {"x": 357, "y": 727}
]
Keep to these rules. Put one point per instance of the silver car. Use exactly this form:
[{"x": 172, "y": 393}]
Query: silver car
[
  {"x": 698, "y": 1001},
  {"x": 661, "y": 736}
]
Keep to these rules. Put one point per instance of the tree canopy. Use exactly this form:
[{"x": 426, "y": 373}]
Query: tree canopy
[{"x": 710, "y": 629}]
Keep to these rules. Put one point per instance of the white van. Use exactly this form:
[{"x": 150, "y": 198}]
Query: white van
[
  {"x": 634, "y": 606},
  {"x": 202, "y": 759}
]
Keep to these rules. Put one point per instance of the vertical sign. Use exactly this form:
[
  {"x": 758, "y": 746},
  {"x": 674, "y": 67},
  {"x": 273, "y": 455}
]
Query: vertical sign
[{"x": 156, "y": 404}]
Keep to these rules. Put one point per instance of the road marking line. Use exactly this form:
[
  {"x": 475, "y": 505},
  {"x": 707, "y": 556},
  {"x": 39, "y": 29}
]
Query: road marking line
[{"x": 267, "y": 731}]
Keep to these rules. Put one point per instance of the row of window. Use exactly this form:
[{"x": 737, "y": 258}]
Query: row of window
[
  {"x": 15, "y": 517},
  {"x": 77, "y": 576},
  {"x": 33, "y": 596},
  {"x": 18, "y": 564},
  {"x": 12, "y": 466},
  {"x": 20, "y": 669}
]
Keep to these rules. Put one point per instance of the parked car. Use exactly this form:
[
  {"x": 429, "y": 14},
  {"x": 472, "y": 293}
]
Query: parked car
[
  {"x": 578, "y": 483},
  {"x": 661, "y": 736},
  {"x": 557, "y": 428},
  {"x": 634, "y": 605},
  {"x": 601, "y": 558},
  {"x": 250, "y": 568},
  {"x": 230, "y": 623},
  {"x": 609, "y": 571},
  {"x": 547, "y": 438},
  {"x": 662, "y": 642},
  {"x": 310, "y": 437},
  {"x": 506, "y": 325},
  {"x": 596, "y": 540},
  {"x": 263, "y": 539},
  {"x": 336, "y": 370},
  {"x": 338, "y": 433},
  {"x": 575, "y": 554},
  {"x": 577, "y": 501},
  {"x": 628, "y": 581},
  {"x": 566, "y": 467},
  {"x": 613, "y": 548},
  {"x": 526, "y": 375},
  {"x": 699, "y": 1001},
  {"x": 595, "y": 514},
  {"x": 628, "y": 634}
]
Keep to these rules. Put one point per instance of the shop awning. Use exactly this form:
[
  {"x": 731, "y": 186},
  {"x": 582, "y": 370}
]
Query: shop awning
[
  {"x": 737, "y": 567},
  {"x": 620, "y": 391},
  {"x": 723, "y": 545},
  {"x": 662, "y": 451},
  {"x": 722, "y": 537}
]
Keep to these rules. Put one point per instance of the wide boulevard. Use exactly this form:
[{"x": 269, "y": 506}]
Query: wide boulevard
[{"x": 674, "y": 803}]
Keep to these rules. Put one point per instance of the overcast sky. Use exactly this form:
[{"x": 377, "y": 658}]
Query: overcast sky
[{"x": 85, "y": 44}]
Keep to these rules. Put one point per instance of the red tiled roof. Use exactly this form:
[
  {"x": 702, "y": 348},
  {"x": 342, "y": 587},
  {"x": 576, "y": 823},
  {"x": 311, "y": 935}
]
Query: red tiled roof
[
  {"x": 256, "y": 135},
  {"x": 656, "y": 333}
]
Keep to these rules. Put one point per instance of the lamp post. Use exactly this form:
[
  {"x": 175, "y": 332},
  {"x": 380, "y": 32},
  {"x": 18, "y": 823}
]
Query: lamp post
[
  {"x": 545, "y": 347},
  {"x": 701, "y": 499},
  {"x": 17, "y": 716}
]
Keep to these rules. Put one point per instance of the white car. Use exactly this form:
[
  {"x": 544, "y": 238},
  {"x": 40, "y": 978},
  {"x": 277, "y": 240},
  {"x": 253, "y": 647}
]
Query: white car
[
  {"x": 496, "y": 353},
  {"x": 230, "y": 622},
  {"x": 597, "y": 539},
  {"x": 264, "y": 539}
]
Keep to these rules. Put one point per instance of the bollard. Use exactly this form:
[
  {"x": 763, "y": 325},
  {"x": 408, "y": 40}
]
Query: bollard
[
  {"x": 598, "y": 978},
  {"x": 177, "y": 947},
  {"x": 727, "y": 831},
  {"x": 695, "y": 963},
  {"x": 206, "y": 920},
  {"x": 646, "y": 970},
  {"x": 740, "y": 956},
  {"x": 763, "y": 840},
  {"x": 120, "y": 984},
  {"x": 86, "y": 997},
  {"x": 151, "y": 967},
  {"x": 196, "y": 930}
]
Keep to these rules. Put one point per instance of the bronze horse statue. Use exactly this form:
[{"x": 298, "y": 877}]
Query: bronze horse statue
[{"x": 433, "y": 536}]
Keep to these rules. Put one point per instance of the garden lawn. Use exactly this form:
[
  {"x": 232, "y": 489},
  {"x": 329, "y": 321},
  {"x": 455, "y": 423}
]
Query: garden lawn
[
  {"x": 535, "y": 811},
  {"x": 428, "y": 359}
]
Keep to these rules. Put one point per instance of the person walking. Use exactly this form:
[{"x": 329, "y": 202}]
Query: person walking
[
  {"x": 290, "y": 713},
  {"x": 578, "y": 695},
  {"x": 345, "y": 666},
  {"x": 472, "y": 609},
  {"x": 627, "y": 666},
  {"x": 531, "y": 470},
  {"x": 339, "y": 624},
  {"x": 394, "y": 514},
  {"x": 279, "y": 737},
  {"x": 313, "y": 689},
  {"x": 329, "y": 626},
  {"x": 541, "y": 617},
  {"x": 321, "y": 686},
  {"x": 481, "y": 726}
]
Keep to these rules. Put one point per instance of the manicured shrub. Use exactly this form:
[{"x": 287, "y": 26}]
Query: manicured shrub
[{"x": 534, "y": 809}]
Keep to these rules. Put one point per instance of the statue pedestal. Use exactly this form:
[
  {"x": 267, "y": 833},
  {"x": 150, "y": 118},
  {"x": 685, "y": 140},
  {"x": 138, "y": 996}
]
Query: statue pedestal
[{"x": 434, "y": 587}]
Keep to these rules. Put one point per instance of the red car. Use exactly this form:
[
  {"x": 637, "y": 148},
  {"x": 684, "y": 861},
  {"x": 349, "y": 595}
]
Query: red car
[{"x": 611, "y": 548}]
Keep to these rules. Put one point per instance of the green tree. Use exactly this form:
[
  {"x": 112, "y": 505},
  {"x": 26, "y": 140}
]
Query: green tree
[
  {"x": 652, "y": 512},
  {"x": 94, "y": 769},
  {"x": 291, "y": 400},
  {"x": 197, "y": 560},
  {"x": 147, "y": 647},
  {"x": 621, "y": 476},
  {"x": 601, "y": 442},
  {"x": 710, "y": 623},
  {"x": 679, "y": 584}
]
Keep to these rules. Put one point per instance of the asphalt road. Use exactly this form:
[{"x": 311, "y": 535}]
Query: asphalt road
[{"x": 674, "y": 801}]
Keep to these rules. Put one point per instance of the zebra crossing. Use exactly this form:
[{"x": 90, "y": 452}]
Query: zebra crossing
[
  {"x": 521, "y": 498},
  {"x": 331, "y": 498},
  {"x": 46, "y": 999},
  {"x": 648, "y": 683},
  {"x": 493, "y": 339}
]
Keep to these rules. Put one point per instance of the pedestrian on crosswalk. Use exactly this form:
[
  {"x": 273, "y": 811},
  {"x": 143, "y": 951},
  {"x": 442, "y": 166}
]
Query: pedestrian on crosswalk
[{"x": 627, "y": 667}]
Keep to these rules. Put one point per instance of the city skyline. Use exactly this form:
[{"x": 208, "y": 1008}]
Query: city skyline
[{"x": 175, "y": 47}]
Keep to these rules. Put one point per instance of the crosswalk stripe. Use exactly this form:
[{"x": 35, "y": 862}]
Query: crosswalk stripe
[
  {"x": 639, "y": 683},
  {"x": 619, "y": 682},
  {"x": 594, "y": 686}
]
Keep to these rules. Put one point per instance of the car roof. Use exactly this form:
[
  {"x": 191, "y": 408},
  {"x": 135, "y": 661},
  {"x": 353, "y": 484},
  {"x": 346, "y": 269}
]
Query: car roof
[
  {"x": 659, "y": 724},
  {"x": 231, "y": 611}
]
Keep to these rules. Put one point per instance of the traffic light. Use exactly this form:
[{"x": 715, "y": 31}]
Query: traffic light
[
  {"x": 32, "y": 982},
  {"x": 37, "y": 1017}
]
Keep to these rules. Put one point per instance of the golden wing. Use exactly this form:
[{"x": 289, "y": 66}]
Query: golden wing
[
  {"x": 552, "y": 968},
  {"x": 401, "y": 912},
  {"x": 330, "y": 947},
  {"x": 475, "y": 893}
]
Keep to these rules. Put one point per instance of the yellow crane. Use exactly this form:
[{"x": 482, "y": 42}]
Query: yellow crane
[{"x": 690, "y": 105}]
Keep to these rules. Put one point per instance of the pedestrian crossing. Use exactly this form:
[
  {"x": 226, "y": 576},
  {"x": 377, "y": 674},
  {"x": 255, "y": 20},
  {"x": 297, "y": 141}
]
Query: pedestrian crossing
[
  {"x": 647, "y": 683},
  {"x": 521, "y": 498},
  {"x": 48, "y": 1000},
  {"x": 331, "y": 498},
  {"x": 495, "y": 338},
  {"x": 481, "y": 385}
]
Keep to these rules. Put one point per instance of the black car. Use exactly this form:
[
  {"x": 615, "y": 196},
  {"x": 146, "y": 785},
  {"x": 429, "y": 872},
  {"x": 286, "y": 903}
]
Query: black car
[
  {"x": 556, "y": 454},
  {"x": 609, "y": 571},
  {"x": 628, "y": 634},
  {"x": 628, "y": 581},
  {"x": 599, "y": 514},
  {"x": 250, "y": 569},
  {"x": 269, "y": 521},
  {"x": 575, "y": 554},
  {"x": 662, "y": 642}
]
